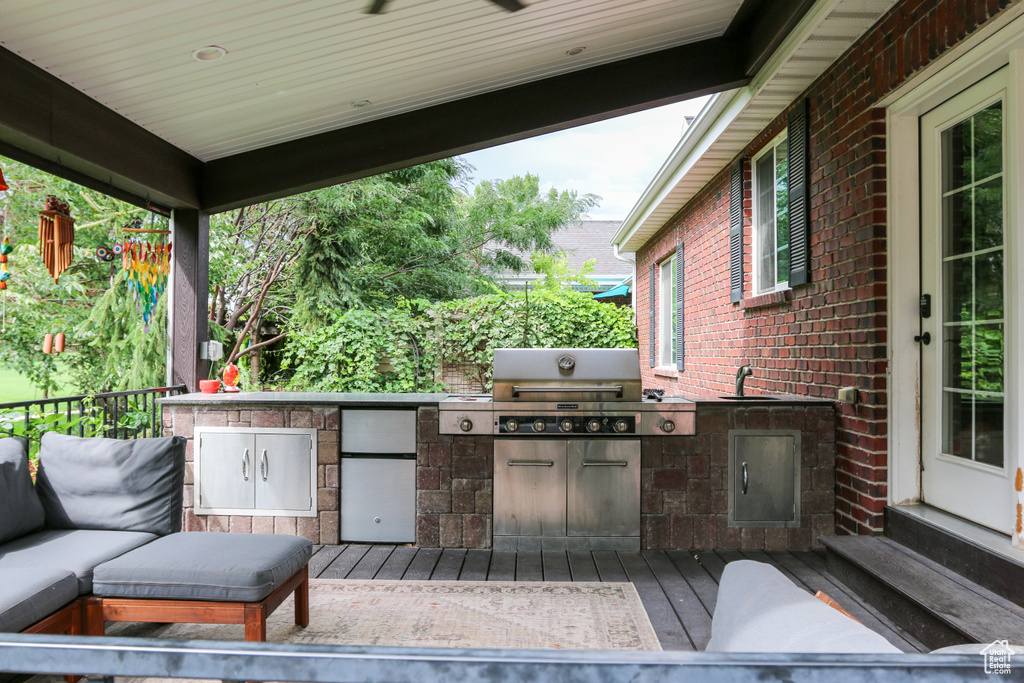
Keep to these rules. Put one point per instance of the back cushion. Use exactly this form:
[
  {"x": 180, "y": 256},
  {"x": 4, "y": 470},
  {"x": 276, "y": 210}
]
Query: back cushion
[
  {"x": 20, "y": 509},
  {"x": 93, "y": 483}
]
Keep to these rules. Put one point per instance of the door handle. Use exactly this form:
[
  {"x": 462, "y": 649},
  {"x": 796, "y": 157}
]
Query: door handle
[
  {"x": 264, "y": 465},
  {"x": 925, "y": 338},
  {"x": 605, "y": 463},
  {"x": 245, "y": 465},
  {"x": 745, "y": 479},
  {"x": 530, "y": 463}
]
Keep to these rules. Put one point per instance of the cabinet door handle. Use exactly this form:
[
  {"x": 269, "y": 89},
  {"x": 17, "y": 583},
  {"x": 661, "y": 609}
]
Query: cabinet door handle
[
  {"x": 245, "y": 465},
  {"x": 745, "y": 480},
  {"x": 264, "y": 464},
  {"x": 605, "y": 463},
  {"x": 530, "y": 463}
]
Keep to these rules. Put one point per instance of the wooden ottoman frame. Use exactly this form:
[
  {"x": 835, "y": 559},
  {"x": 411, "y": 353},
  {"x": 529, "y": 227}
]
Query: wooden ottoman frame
[
  {"x": 65, "y": 621},
  {"x": 253, "y": 614}
]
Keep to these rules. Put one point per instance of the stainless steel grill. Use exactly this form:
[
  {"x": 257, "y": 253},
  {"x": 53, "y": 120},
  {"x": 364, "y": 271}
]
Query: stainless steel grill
[{"x": 566, "y": 424}]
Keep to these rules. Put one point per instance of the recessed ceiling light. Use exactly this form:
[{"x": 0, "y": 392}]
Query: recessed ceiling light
[
  {"x": 358, "y": 104},
  {"x": 210, "y": 53},
  {"x": 575, "y": 51}
]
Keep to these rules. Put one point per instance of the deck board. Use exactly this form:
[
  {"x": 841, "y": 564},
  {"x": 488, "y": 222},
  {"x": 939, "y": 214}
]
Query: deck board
[{"x": 678, "y": 588}]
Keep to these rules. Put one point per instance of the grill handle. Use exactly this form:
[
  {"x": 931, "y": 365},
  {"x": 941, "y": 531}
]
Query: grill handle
[
  {"x": 517, "y": 389},
  {"x": 530, "y": 463},
  {"x": 605, "y": 463}
]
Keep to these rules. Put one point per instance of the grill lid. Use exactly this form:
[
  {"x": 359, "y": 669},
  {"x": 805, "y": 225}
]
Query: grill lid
[{"x": 604, "y": 375}]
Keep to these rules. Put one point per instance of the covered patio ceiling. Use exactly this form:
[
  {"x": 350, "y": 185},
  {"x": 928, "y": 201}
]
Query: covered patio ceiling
[{"x": 316, "y": 92}]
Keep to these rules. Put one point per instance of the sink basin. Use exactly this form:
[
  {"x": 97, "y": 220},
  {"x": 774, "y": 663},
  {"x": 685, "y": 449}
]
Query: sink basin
[{"x": 733, "y": 397}]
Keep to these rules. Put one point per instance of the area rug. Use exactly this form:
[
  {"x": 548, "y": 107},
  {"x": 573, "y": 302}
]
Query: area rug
[{"x": 460, "y": 614}]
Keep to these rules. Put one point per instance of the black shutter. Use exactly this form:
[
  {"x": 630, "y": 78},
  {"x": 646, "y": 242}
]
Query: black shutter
[
  {"x": 651, "y": 340},
  {"x": 679, "y": 307},
  {"x": 799, "y": 195},
  {"x": 736, "y": 233}
]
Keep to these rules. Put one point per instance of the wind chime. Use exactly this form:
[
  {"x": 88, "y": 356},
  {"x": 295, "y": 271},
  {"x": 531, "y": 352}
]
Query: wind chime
[
  {"x": 148, "y": 263},
  {"x": 5, "y": 275},
  {"x": 56, "y": 236}
]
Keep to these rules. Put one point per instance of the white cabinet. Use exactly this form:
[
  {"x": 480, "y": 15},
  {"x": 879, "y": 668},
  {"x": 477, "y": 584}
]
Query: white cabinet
[{"x": 255, "y": 471}]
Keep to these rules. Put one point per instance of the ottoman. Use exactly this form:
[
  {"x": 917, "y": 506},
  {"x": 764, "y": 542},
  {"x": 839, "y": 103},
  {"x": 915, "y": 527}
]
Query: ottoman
[
  {"x": 203, "y": 578},
  {"x": 38, "y": 600}
]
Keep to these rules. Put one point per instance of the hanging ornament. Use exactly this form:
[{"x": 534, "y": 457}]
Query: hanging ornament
[
  {"x": 56, "y": 236},
  {"x": 104, "y": 254},
  {"x": 5, "y": 275},
  {"x": 148, "y": 265},
  {"x": 3, "y": 183}
]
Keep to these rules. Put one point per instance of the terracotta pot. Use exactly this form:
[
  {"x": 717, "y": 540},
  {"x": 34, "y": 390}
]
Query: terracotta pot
[{"x": 209, "y": 386}]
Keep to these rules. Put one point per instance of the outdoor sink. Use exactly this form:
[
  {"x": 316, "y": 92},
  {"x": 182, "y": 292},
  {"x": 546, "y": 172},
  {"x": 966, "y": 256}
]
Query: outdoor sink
[{"x": 733, "y": 397}]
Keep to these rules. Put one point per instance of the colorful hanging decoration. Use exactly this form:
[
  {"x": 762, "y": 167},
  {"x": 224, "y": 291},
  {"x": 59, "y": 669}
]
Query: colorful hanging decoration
[
  {"x": 56, "y": 236},
  {"x": 230, "y": 376},
  {"x": 148, "y": 265},
  {"x": 5, "y": 275},
  {"x": 3, "y": 183},
  {"x": 105, "y": 254}
]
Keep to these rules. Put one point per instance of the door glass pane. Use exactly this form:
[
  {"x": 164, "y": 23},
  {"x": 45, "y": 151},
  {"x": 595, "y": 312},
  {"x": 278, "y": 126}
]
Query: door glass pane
[
  {"x": 973, "y": 361},
  {"x": 782, "y": 210},
  {"x": 765, "y": 183}
]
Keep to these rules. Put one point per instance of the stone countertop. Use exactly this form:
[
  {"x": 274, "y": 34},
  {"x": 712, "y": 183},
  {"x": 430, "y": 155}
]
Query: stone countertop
[
  {"x": 302, "y": 398},
  {"x": 759, "y": 400}
]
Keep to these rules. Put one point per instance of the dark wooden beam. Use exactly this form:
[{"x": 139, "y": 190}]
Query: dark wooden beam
[
  {"x": 190, "y": 290},
  {"x": 47, "y": 123},
  {"x": 763, "y": 25},
  {"x": 474, "y": 123}
]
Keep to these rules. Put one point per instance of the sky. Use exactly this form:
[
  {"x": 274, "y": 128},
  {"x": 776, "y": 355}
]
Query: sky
[{"x": 614, "y": 159}]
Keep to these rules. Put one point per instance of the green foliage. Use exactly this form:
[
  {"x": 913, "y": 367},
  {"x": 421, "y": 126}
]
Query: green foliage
[
  {"x": 372, "y": 350},
  {"x": 557, "y": 273}
]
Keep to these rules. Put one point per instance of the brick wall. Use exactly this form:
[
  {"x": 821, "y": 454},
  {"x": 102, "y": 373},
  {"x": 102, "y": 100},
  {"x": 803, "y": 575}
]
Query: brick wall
[
  {"x": 324, "y": 528},
  {"x": 831, "y": 332},
  {"x": 454, "y": 484}
]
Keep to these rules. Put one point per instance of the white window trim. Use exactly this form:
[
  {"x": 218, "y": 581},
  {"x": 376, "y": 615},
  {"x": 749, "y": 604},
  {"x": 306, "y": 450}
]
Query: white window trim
[
  {"x": 665, "y": 311},
  {"x": 755, "y": 232}
]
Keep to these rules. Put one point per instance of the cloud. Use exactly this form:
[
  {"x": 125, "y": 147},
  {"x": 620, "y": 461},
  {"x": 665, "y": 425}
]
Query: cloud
[{"x": 614, "y": 159}]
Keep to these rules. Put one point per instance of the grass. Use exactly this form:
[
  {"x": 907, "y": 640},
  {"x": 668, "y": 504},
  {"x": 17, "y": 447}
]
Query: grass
[{"x": 15, "y": 387}]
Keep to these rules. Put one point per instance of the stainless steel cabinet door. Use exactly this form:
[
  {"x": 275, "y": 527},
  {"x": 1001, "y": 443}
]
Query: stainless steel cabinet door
[
  {"x": 228, "y": 469},
  {"x": 764, "y": 478},
  {"x": 529, "y": 487},
  {"x": 378, "y": 500},
  {"x": 603, "y": 488},
  {"x": 283, "y": 472},
  {"x": 378, "y": 431}
]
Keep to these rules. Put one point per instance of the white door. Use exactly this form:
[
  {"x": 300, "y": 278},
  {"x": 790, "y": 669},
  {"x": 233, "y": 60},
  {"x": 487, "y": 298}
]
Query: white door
[{"x": 964, "y": 270}]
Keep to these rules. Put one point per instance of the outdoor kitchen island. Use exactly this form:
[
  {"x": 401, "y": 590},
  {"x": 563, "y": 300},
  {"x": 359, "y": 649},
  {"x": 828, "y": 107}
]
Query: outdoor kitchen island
[{"x": 684, "y": 479}]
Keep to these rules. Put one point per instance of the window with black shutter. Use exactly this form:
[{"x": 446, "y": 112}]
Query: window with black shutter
[
  {"x": 651, "y": 340},
  {"x": 799, "y": 195},
  {"x": 736, "y": 233},
  {"x": 680, "y": 346}
]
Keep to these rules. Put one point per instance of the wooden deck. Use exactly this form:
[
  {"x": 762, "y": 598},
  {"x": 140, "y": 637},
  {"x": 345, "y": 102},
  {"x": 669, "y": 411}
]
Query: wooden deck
[{"x": 678, "y": 588}]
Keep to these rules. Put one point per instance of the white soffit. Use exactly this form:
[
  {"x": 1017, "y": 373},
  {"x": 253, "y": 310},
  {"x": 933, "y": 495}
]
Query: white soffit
[
  {"x": 294, "y": 68},
  {"x": 729, "y": 121}
]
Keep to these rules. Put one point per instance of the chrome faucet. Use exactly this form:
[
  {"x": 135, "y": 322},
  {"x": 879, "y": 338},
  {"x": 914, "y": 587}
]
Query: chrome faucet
[{"x": 742, "y": 375}]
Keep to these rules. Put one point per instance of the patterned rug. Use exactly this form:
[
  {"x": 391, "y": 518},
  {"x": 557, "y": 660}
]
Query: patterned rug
[{"x": 463, "y": 614}]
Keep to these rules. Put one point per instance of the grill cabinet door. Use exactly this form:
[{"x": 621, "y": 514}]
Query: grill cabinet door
[
  {"x": 282, "y": 472},
  {"x": 228, "y": 469},
  {"x": 764, "y": 486},
  {"x": 603, "y": 488},
  {"x": 529, "y": 487}
]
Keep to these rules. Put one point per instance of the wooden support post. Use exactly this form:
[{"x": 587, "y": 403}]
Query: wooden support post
[{"x": 189, "y": 288}]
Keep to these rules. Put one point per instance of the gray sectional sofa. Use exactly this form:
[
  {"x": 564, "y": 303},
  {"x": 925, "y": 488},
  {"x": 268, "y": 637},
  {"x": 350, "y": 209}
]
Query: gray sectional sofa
[
  {"x": 98, "y": 538},
  {"x": 95, "y": 500}
]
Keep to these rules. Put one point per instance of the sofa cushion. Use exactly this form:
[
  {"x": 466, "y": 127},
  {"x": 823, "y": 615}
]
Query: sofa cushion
[
  {"x": 30, "y": 594},
  {"x": 759, "y": 610},
  {"x": 77, "y": 551},
  {"x": 93, "y": 483},
  {"x": 204, "y": 566},
  {"x": 20, "y": 510}
]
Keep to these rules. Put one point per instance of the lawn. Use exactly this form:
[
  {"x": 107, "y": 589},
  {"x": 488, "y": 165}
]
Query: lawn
[{"x": 15, "y": 387}]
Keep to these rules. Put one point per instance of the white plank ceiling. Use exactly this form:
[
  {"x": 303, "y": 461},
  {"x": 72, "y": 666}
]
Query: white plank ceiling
[{"x": 295, "y": 67}]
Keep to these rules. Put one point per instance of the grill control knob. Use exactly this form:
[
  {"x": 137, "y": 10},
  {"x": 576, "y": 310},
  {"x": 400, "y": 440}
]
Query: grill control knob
[
  {"x": 621, "y": 425},
  {"x": 668, "y": 426},
  {"x": 512, "y": 425},
  {"x": 593, "y": 425},
  {"x": 466, "y": 425},
  {"x": 565, "y": 425},
  {"x": 539, "y": 425}
]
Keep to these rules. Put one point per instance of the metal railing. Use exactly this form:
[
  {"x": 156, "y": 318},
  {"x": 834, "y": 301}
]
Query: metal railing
[
  {"x": 116, "y": 415},
  {"x": 237, "y": 661}
]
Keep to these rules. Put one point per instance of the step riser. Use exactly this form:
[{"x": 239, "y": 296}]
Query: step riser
[
  {"x": 905, "y": 613},
  {"x": 983, "y": 567}
]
